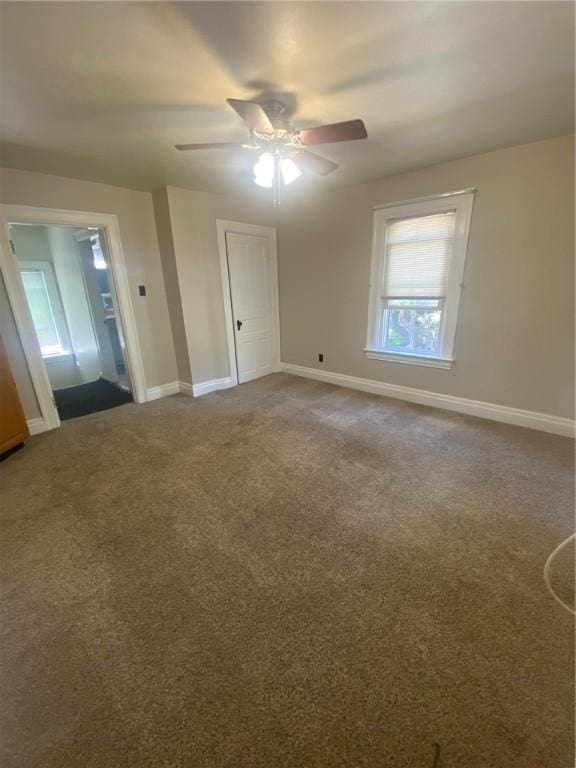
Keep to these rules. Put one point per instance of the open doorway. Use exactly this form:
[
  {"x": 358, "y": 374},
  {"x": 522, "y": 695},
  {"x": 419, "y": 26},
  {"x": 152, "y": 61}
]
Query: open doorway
[{"x": 68, "y": 287}]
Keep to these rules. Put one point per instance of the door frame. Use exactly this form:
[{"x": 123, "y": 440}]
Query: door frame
[
  {"x": 241, "y": 228},
  {"x": 23, "y": 319},
  {"x": 80, "y": 237}
]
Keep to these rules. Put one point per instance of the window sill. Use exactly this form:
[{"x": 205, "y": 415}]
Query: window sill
[
  {"x": 409, "y": 359},
  {"x": 61, "y": 357}
]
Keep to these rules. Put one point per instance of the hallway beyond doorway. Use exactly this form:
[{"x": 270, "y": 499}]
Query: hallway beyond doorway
[
  {"x": 83, "y": 399},
  {"x": 71, "y": 297}
]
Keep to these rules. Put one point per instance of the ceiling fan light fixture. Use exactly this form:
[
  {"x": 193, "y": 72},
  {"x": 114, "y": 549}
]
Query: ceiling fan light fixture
[
  {"x": 264, "y": 181},
  {"x": 288, "y": 155},
  {"x": 264, "y": 170},
  {"x": 289, "y": 170}
]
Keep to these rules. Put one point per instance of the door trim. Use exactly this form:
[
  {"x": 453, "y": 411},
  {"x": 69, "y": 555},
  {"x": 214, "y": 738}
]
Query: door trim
[
  {"x": 9, "y": 268},
  {"x": 239, "y": 228}
]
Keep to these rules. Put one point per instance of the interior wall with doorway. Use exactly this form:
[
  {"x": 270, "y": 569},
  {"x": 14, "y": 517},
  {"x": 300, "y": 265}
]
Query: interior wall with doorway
[
  {"x": 64, "y": 275},
  {"x": 135, "y": 216},
  {"x": 190, "y": 217},
  {"x": 186, "y": 226}
]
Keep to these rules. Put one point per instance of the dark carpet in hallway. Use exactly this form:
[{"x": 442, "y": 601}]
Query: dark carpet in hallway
[
  {"x": 95, "y": 396},
  {"x": 285, "y": 575}
]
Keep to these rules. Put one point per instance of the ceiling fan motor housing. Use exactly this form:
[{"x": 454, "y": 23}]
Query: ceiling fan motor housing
[{"x": 278, "y": 114}]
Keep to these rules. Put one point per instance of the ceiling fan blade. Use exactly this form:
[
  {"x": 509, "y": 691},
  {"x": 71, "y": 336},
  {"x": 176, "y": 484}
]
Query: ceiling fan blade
[
  {"x": 328, "y": 134},
  {"x": 308, "y": 161},
  {"x": 213, "y": 145},
  {"x": 253, "y": 115}
]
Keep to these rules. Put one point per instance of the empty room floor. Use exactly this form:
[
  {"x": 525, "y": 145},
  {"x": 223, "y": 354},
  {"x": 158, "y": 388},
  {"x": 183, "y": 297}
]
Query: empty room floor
[{"x": 285, "y": 574}]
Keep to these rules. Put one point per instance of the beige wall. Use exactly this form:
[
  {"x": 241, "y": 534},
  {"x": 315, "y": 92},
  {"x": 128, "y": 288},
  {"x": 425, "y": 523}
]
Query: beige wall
[
  {"x": 138, "y": 231},
  {"x": 173, "y": 293},
  {"x": 515, "y": 341},
  {"x": 195, "y": 246},
  {"x": 31, "y": 243}
]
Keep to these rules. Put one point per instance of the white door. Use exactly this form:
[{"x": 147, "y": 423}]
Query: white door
[{"x": 253, "y": 294}]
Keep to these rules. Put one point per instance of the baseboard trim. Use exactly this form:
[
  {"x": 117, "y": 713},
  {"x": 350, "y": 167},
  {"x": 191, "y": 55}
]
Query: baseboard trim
[
  {"x": 164, "y": 390},
  {"x": 541, "y": 421},
  {"x": 204, "y": 387},
  {"x": 185, "y": 388},
  {"x": 36, "y": 426}
]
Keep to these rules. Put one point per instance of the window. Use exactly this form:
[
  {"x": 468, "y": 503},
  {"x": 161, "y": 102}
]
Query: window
[
  {"x": 45, "y": 307},
  {"x": 417, "y": 271}
]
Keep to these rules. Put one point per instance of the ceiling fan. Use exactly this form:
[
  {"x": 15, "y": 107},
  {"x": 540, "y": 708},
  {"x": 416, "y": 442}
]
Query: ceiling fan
[{"x": 282, "y": 149}]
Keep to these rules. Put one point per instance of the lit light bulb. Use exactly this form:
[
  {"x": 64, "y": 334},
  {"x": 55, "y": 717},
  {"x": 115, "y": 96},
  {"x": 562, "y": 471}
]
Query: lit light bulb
[
  {"x": 264, "y": 170},
  {"x": 290, "y": 172},
  {"x": 263, "y": 181}
]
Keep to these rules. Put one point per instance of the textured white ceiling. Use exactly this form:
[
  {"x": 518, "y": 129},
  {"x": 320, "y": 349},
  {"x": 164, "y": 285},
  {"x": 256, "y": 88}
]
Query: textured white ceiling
[{"x": 103, "y": 91}]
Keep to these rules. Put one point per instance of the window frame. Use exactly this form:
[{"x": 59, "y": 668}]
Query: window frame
[
  {"x": 461, "y": 202},
  {"x": 56, "y": 305}
]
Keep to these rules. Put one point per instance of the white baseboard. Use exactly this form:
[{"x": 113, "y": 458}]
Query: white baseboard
[
  {"x": 204, "y": 387},
  {"x": 183, "y": 387},
  {"x": 164, "y": 390},
  {"x": 186, "y": 389},
  {"x": 530, "y": 419},
  {"x": 36, "y": 426}
]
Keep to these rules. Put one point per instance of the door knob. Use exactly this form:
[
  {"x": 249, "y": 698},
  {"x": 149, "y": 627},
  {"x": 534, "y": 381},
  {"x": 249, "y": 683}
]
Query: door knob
[{"x": 238, "y": 324}]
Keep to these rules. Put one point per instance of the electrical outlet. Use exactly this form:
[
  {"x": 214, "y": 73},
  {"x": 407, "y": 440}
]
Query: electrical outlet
[{"x": 320, "y": 358}]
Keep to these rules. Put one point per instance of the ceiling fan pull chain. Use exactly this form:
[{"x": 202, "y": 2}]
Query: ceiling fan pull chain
[{"x": 277, "y": 180}]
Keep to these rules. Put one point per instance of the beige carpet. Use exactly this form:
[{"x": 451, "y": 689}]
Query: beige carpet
[{"x": 285, "y": 575}]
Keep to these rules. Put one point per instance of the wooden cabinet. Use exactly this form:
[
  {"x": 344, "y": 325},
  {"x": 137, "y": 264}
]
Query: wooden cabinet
[{"x": 13, "y": 427}]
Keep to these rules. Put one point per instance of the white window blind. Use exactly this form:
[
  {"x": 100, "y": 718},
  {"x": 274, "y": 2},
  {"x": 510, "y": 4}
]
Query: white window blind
[{"x": 418, "y": 255}]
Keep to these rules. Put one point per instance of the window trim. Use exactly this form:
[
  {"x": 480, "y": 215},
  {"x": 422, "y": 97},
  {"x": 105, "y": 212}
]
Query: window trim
[
  {"x": 409, "y": 358},
  {"x": 56, "y": 305},
  {"x": 461, "y": 202}
]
